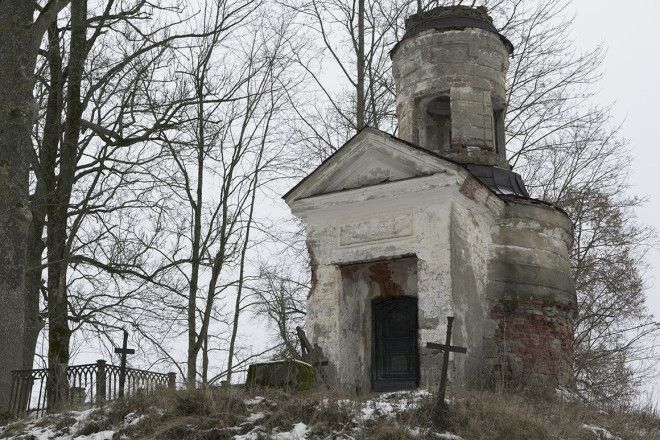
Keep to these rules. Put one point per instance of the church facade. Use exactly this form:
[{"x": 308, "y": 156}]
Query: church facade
[{"x": 405, "y": 231}]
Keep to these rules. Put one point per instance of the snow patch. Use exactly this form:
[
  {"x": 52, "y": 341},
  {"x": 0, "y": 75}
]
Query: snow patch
[
  {"x": 388, "y": 404},
  {"x": 254, "y": 417},
  {"x": 256, "y": 400},
  {"x": 448, "y": 436},
  {"x": 103, "y": 435},
  {"x": 601, "y": 433},
  {"x": 133, "y": 419},
  {"x": 299, "y": 432}
]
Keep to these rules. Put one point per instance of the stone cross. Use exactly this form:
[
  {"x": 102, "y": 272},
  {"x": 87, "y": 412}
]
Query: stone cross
[
  {"x": 123, "y": 351},
  {"x": 440, "y": 412}
]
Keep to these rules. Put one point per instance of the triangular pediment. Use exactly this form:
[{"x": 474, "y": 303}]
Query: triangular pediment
[{"x": 372, "y": 157}]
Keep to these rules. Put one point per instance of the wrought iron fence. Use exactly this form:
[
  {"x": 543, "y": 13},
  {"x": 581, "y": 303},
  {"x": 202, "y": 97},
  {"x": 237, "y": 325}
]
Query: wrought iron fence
[{"x": 87, "y": 385}]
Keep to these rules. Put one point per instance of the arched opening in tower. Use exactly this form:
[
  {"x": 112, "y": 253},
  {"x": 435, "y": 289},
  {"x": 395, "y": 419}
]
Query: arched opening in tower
[{"x": 438, "y": 128}]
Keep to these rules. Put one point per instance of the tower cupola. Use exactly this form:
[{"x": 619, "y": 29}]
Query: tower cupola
[{"x": 450, "y": 70}]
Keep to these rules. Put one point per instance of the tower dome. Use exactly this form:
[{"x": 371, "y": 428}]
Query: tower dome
[{"x": 450, "y": 70}]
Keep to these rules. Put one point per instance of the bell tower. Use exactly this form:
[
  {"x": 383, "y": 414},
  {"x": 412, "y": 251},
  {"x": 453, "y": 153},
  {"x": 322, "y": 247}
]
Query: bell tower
[{"x": 449, "y": 70}]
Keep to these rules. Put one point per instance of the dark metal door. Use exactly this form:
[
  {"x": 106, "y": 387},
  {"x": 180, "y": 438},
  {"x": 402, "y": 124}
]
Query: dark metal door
[{"x": 395, "y": 357}]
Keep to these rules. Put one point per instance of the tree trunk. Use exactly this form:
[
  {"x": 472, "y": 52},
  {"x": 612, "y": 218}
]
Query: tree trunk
[
  {"x": 193, "y": 346},
  {"x": 205, "y": 362},
  {"x": 17, "y": 112},
  {"x": 45, "y": 173},
  {"x": 58, "y": 252},
  {"x": 241, "y": 274},
  {"x": 33, "y": 323},
  {"x": 360, "y": 98}
]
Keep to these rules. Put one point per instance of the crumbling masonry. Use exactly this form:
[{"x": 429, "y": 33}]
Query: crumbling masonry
[{"x": 403, "y": 232}]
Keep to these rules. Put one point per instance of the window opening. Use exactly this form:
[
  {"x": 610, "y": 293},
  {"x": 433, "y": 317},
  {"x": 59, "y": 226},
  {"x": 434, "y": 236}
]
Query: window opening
[{"x": 438, "y": 127}]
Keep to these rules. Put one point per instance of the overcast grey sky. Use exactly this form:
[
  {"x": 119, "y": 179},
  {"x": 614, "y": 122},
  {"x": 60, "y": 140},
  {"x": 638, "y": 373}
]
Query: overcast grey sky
[{"x": 631, "y": 33}]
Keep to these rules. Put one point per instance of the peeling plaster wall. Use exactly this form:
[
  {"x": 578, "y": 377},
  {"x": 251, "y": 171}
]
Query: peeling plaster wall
[
  {"x": 361, "y": 283},
  {"x": 532, "y": 295},
  {"x": 501, "y": 267},
  {"x": 471, "y": 234},
  {"x": 383, "y": 222}
]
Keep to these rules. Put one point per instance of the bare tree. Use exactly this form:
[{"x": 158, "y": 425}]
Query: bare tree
[
  {"x": 353, "y": 39},
  {"x": 231, "y": 82},
  {"x": 280, "y": 297},
  {"x": 91, "y": 150},
  {"x": 587, "y": 176}
]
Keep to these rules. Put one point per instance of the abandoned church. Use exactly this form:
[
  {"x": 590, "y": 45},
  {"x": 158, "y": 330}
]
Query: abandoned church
[{"x": 405, "y": 231}]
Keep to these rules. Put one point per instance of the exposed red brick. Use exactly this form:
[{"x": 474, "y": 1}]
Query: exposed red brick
[
  {"x": 469, "y": 187},
  {"x": 381, "y": 274},
  {"x": 535, "y": 341}
]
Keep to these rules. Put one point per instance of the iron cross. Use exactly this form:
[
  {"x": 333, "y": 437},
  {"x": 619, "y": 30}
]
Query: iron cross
[
  {"x": 441, "y": 406},
  {"x": 123, "y": 351}
]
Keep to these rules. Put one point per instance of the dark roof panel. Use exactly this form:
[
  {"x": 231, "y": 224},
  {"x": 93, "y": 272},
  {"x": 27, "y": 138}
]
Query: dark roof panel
[{"x": 502, "y": 182}]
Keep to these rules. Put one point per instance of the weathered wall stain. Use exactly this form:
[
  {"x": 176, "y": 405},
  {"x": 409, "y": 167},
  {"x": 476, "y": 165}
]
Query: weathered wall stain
[
  {"x": 313, "y": 265},
  {"x": 469, "y": 187},
  {"x": 381, "y": 274}
]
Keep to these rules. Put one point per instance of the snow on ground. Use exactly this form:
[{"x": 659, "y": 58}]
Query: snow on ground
[
  {"x": 103, "y": 435},
  {"x": 299, "y": 432},
  {"x": 389, "y": 404},
  {"x": 601, "y": 433},
  {"x": 254, "y": 401},
  {"x": 34, "y": 428},
  {"x": 255, "y": 417},
  {"x": 256, "y": 434},
  {"x": 133, "y": 419},
  {"x": 448, "y": 436},
  {"x": 385, "y": 405},
  {"x": 381, "y": 407}
]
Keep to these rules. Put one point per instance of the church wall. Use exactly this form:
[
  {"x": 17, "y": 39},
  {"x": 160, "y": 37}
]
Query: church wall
[
  {"x": 471, "y": 231},
  {"x": 384, "y": 222},
  {"x": 500, "y": 267},
  {"x": 532, "y": 295}
]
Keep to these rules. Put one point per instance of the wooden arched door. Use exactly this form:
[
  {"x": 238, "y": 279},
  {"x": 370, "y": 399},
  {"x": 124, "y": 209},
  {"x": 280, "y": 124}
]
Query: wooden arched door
[{"x": 395, "y": 354}]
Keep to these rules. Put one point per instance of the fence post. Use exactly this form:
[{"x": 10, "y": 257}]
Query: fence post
[
  {"x": 17, "y": 395},
  {"x": 100, "y": 381},
  {"x": 171, "y": 380}
]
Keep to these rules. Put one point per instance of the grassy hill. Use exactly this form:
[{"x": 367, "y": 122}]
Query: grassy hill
[{"x": 236, "y": 413}]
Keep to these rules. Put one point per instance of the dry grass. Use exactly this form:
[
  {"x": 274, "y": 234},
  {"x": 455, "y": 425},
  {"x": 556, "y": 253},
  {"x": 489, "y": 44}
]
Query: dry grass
[
  {"x": 477, "y": 415},
  {"x": 221, "y": 413}
]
